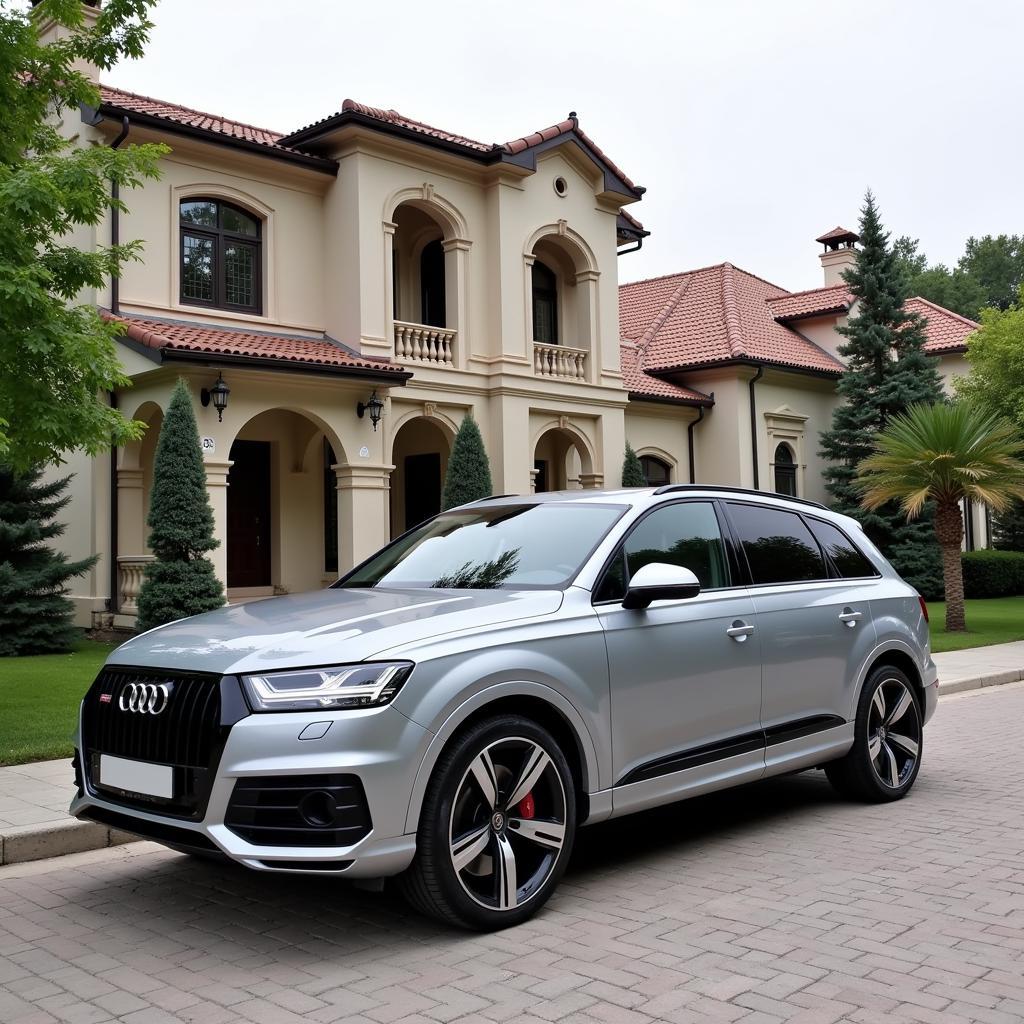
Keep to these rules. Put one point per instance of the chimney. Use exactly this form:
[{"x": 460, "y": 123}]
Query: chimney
[
  {"x": 49, "y": 31},
  {"x": 840, "y": 253}
]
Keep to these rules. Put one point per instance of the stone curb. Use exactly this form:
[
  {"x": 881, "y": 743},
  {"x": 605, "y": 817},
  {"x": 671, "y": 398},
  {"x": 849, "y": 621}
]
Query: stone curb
[{"x": 22, "y": 843}]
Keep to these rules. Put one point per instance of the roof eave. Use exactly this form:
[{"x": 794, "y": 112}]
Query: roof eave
[
  {"x": 832, "y": 311},
  {"x": 637, "y": 396},
  {"x": 713, "y": 364},
  {"x": 382, "y": 376},
  {"x": 109, "y": 110}
]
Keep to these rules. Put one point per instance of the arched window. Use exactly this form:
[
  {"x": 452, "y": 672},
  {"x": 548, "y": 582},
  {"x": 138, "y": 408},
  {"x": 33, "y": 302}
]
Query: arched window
[
  {"x": 545, "y": 304},
  {"x": 221, "y": 256},
  {"x": 432, "y": 284},
  {"x": 656, "y": 472},
  {"x": 785, "y": 471}
]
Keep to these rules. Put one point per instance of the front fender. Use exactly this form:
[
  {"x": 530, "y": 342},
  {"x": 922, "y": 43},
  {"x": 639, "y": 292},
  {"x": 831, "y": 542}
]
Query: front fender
[{"x": 472, "y": 703}]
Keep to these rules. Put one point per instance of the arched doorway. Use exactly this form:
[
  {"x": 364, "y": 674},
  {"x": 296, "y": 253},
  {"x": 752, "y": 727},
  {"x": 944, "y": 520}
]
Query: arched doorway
[
  {"x": 282, "y": 501},
  {"x": 561, "y": 462},
  {"x": 420, "y": 457}
]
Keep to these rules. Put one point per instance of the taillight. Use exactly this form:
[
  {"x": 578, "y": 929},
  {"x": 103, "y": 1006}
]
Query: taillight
[{"x": 924, "y": 607}]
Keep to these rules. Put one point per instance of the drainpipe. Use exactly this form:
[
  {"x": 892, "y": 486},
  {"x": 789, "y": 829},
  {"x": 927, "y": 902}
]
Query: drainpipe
[
  {"x": 753, "y": 422},
  {"x": 689, "y": 439},
  {"x": 113, "y": 602},
  {"x": 625, "y": 252}
]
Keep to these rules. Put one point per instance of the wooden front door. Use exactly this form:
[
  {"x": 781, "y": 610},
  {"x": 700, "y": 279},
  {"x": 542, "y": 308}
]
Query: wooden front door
[
  {"x": 422, "y": 488},
  {"x": 249, "y": 515}
]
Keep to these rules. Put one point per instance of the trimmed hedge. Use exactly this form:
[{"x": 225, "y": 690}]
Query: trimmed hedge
[{"x": 993, "y": 573}]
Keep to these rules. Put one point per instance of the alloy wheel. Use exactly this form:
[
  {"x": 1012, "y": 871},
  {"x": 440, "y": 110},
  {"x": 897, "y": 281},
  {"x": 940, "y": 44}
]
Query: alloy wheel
[
  {"x": 894, "y": 733},
  {"x": 507, "y": 824}
]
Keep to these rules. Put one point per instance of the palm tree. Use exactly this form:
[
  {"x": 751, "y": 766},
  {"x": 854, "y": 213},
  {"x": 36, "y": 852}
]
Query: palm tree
[{"x": 945, "y": 453}]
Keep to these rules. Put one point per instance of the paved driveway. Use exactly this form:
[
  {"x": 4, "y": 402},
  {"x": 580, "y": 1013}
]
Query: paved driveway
[{"x": 776, "y": 902}]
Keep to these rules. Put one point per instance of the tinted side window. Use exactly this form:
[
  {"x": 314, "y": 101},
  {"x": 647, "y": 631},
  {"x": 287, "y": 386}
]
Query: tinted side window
[
  {"x": 778, "y": 546},
  {"x": 685, "y": 534},
  {"x": 847, "y": 559}
]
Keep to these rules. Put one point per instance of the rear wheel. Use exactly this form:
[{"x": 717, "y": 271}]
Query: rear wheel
[
  {"x": 497, "y": 826},
  {"x": 886, "y": 754}
]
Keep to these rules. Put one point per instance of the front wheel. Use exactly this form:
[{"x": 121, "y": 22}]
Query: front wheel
[
  {"x": 889, "y": 738},
  {"x": 497, "y": 826}
]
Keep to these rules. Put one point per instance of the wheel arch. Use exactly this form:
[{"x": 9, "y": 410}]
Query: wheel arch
[
  {"x": 540, "y": 704},
  {"x": 898, "y": 656}
]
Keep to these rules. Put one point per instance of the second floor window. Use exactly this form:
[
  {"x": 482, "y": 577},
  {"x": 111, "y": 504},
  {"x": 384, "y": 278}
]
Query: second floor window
[
  {"x": 221, "y": 256},
  {"x": 545, "y": 304}
]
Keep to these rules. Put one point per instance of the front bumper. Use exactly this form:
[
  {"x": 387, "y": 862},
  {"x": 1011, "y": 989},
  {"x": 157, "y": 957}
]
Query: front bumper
[{"x": 379, "y": 746}]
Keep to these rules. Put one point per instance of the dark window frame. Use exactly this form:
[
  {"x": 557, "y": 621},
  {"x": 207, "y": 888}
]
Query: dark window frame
[
  {"x": 728, "y": 540},
  {"x": 645, "y": 459},
  {"x": 787, "y": 468},
  {"x": 548, "y": 290},
  {"x": 874, "y": 575},
  {"x": 221, "y": 238}
]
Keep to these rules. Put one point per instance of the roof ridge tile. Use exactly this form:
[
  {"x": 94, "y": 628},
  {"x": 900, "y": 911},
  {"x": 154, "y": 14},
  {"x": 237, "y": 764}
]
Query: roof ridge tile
[{"x": 733, "y": 324}]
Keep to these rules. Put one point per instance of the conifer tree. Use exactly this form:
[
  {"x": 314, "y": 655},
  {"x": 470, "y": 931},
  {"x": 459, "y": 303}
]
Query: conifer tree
[
  {"x": 887, "y": 370},
  {"x": 632, "y": 470},
  {"x": 35, "y": 611},
  {"x": 182, "y": 580},
  {"x": 469, "y": 473}
]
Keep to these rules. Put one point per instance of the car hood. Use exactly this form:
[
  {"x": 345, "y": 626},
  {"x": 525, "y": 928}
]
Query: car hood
[{"x": 324, "y": 627}]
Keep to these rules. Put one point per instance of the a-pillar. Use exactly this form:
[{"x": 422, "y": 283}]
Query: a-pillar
[
  {"x": 217, "y": 489},
  {"x": 364, "y": 515}
]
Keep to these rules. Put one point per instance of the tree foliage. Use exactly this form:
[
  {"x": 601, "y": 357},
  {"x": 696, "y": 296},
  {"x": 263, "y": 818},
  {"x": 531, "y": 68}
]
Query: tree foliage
[
  {"x": 887, "y": 371},
  {"x": 632, "y": 470},
  {"x": 469, "y": 473},
  {"x": 58, "y": 358},
  {"x": 182, "y": 580},
  {"x": 943, "y": 454},
  {"x": 989, "y": 273},
  {"x": 35, "y": 612}
]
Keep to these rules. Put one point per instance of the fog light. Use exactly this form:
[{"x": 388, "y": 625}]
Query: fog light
[{"x": 317, "y": 809}]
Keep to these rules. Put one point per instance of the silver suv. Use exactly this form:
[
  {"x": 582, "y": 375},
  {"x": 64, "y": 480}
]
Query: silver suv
[{"x": 454, "y": 708}]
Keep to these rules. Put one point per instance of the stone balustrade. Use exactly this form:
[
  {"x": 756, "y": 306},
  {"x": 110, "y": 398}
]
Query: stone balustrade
[
  {"x": 130, "y": 569},
  {"x": 418, "y": 343},
  {"x": 559, "y": 361}
]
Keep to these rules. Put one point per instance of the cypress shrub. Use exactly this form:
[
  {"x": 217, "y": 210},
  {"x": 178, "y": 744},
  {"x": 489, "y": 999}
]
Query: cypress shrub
[
  {"x": 632, "y": 470},
  {"x": 469, "y": 473}
]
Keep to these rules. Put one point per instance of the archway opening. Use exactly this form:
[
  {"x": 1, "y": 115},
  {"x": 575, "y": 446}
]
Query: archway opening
[
  {"x": 418, "y": 267},
  {"x": 282, "y": 506},
  {"x": 560, "y": 462},
  {"x": 420, "y": 457}
]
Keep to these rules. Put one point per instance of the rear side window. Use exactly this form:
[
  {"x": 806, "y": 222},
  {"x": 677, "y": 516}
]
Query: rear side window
[
  {"x": 778, "y": 545},
  {"x": 685, "y": 533},
  {"x": 850, "y": 563}
]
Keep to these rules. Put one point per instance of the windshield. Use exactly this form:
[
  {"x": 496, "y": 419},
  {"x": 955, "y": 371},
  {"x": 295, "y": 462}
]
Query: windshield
[{"x": 536, "y": 545}]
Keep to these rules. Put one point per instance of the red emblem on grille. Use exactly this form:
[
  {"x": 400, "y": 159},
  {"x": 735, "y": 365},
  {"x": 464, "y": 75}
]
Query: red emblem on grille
[{"x": 106, "y": 698}]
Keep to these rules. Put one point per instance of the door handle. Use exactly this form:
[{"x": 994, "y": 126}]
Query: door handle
[
  {"x": 739, "y": 631},
  {"x": 850, "y": 617}
]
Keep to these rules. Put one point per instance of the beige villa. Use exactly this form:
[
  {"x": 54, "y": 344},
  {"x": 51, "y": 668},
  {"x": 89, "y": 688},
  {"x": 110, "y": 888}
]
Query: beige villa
[{"x": 349, "y": 291}]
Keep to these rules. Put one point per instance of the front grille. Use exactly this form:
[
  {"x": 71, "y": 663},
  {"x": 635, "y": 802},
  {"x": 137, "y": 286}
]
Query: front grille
[
  {"x": 299, "y": 810},
  {"x": 188, "y": 734}
]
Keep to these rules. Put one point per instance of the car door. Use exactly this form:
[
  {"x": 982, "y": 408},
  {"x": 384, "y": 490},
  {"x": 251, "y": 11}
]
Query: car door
[
  {"x": 685, "y": 675},
  {"x": 816, "y": 629}
]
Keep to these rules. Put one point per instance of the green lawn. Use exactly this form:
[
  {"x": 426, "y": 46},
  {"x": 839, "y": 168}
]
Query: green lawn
[
  {"x": 996, "y": 620},
  {"x": 39, "y": 698}
]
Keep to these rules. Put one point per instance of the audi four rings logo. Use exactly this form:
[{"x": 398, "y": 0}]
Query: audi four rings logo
[{"x": 145, "y": 698}]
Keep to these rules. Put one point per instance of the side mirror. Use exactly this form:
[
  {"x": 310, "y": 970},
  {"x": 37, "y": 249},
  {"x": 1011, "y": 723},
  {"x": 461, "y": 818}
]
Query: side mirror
[{"x": 658, "y": 581}]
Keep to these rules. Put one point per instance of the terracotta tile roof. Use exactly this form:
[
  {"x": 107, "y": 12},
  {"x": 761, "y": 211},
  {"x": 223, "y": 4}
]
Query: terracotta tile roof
[
  {"x": 202, "y": 338},
  {"x": 837, "y": 234},
  {"x": 643, "y": 385},
  {"x": 947, "y": 331},
  {"x": 835, "y": 298},
  {"x": 632, "y": 221},
  {"x": 713, "y": 315},
  {"x": 395, "y": 118},
  {"x": 133, "y": 103}
]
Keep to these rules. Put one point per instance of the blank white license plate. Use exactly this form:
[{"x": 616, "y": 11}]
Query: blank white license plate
[{"x": 137, "y": 776}]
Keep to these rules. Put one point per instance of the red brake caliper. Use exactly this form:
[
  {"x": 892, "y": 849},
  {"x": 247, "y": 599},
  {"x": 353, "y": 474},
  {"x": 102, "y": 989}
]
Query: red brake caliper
[{"x": 525, "y": 807}]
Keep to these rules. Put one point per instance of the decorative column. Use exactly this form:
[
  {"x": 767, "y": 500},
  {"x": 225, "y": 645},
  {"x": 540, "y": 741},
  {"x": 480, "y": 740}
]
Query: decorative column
[
  {"x": 590, "y": 322},
  {"x": 456, "y": 287},
  {"x": 131, "y": 512},
  {"x": 364, "y": 515},
  {"x": 389, "y": 283},
  {"x": 591, "y": 481},
  {"x": 217, "y": 489}
]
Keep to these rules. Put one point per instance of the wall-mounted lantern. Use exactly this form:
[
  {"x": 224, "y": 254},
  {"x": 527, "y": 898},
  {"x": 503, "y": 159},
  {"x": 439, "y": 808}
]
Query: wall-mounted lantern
[
  {"x": 218, "y": 394},
  {"x": 374, "y": 406}
]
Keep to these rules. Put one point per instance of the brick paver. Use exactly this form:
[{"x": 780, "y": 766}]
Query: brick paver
[{"x": 773, "y": 903}]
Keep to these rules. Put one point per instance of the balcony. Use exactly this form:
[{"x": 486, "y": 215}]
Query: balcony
[
  {"x": 418, "y": 343},
  {"x": 559, "y": 361}
]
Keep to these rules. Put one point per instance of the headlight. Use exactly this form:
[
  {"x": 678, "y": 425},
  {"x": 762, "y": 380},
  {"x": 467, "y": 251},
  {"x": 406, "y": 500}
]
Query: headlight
[{"x": 339, "y": 686}]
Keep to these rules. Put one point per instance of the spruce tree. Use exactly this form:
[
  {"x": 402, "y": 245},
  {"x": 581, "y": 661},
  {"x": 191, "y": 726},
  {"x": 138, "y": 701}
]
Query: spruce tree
[
  {"x": 632, "y": 471},
  {"x": 887, "y": 370},
  {"x": 469, "y": 473},
  {"x": 182, "y": 580},
  {"x": 35, "y": 611}
]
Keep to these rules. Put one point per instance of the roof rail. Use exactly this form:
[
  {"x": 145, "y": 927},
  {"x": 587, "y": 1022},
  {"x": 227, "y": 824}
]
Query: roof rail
[{"x": 670, "y": 488}]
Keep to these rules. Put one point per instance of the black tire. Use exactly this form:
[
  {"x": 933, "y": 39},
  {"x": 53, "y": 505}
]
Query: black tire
[
  {"x": 459, "y": 820},
  {"x": 888, "y": 741}
]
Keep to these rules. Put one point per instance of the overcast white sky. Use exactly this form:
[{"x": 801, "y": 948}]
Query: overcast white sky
[{"x": 754, "y": 124}]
